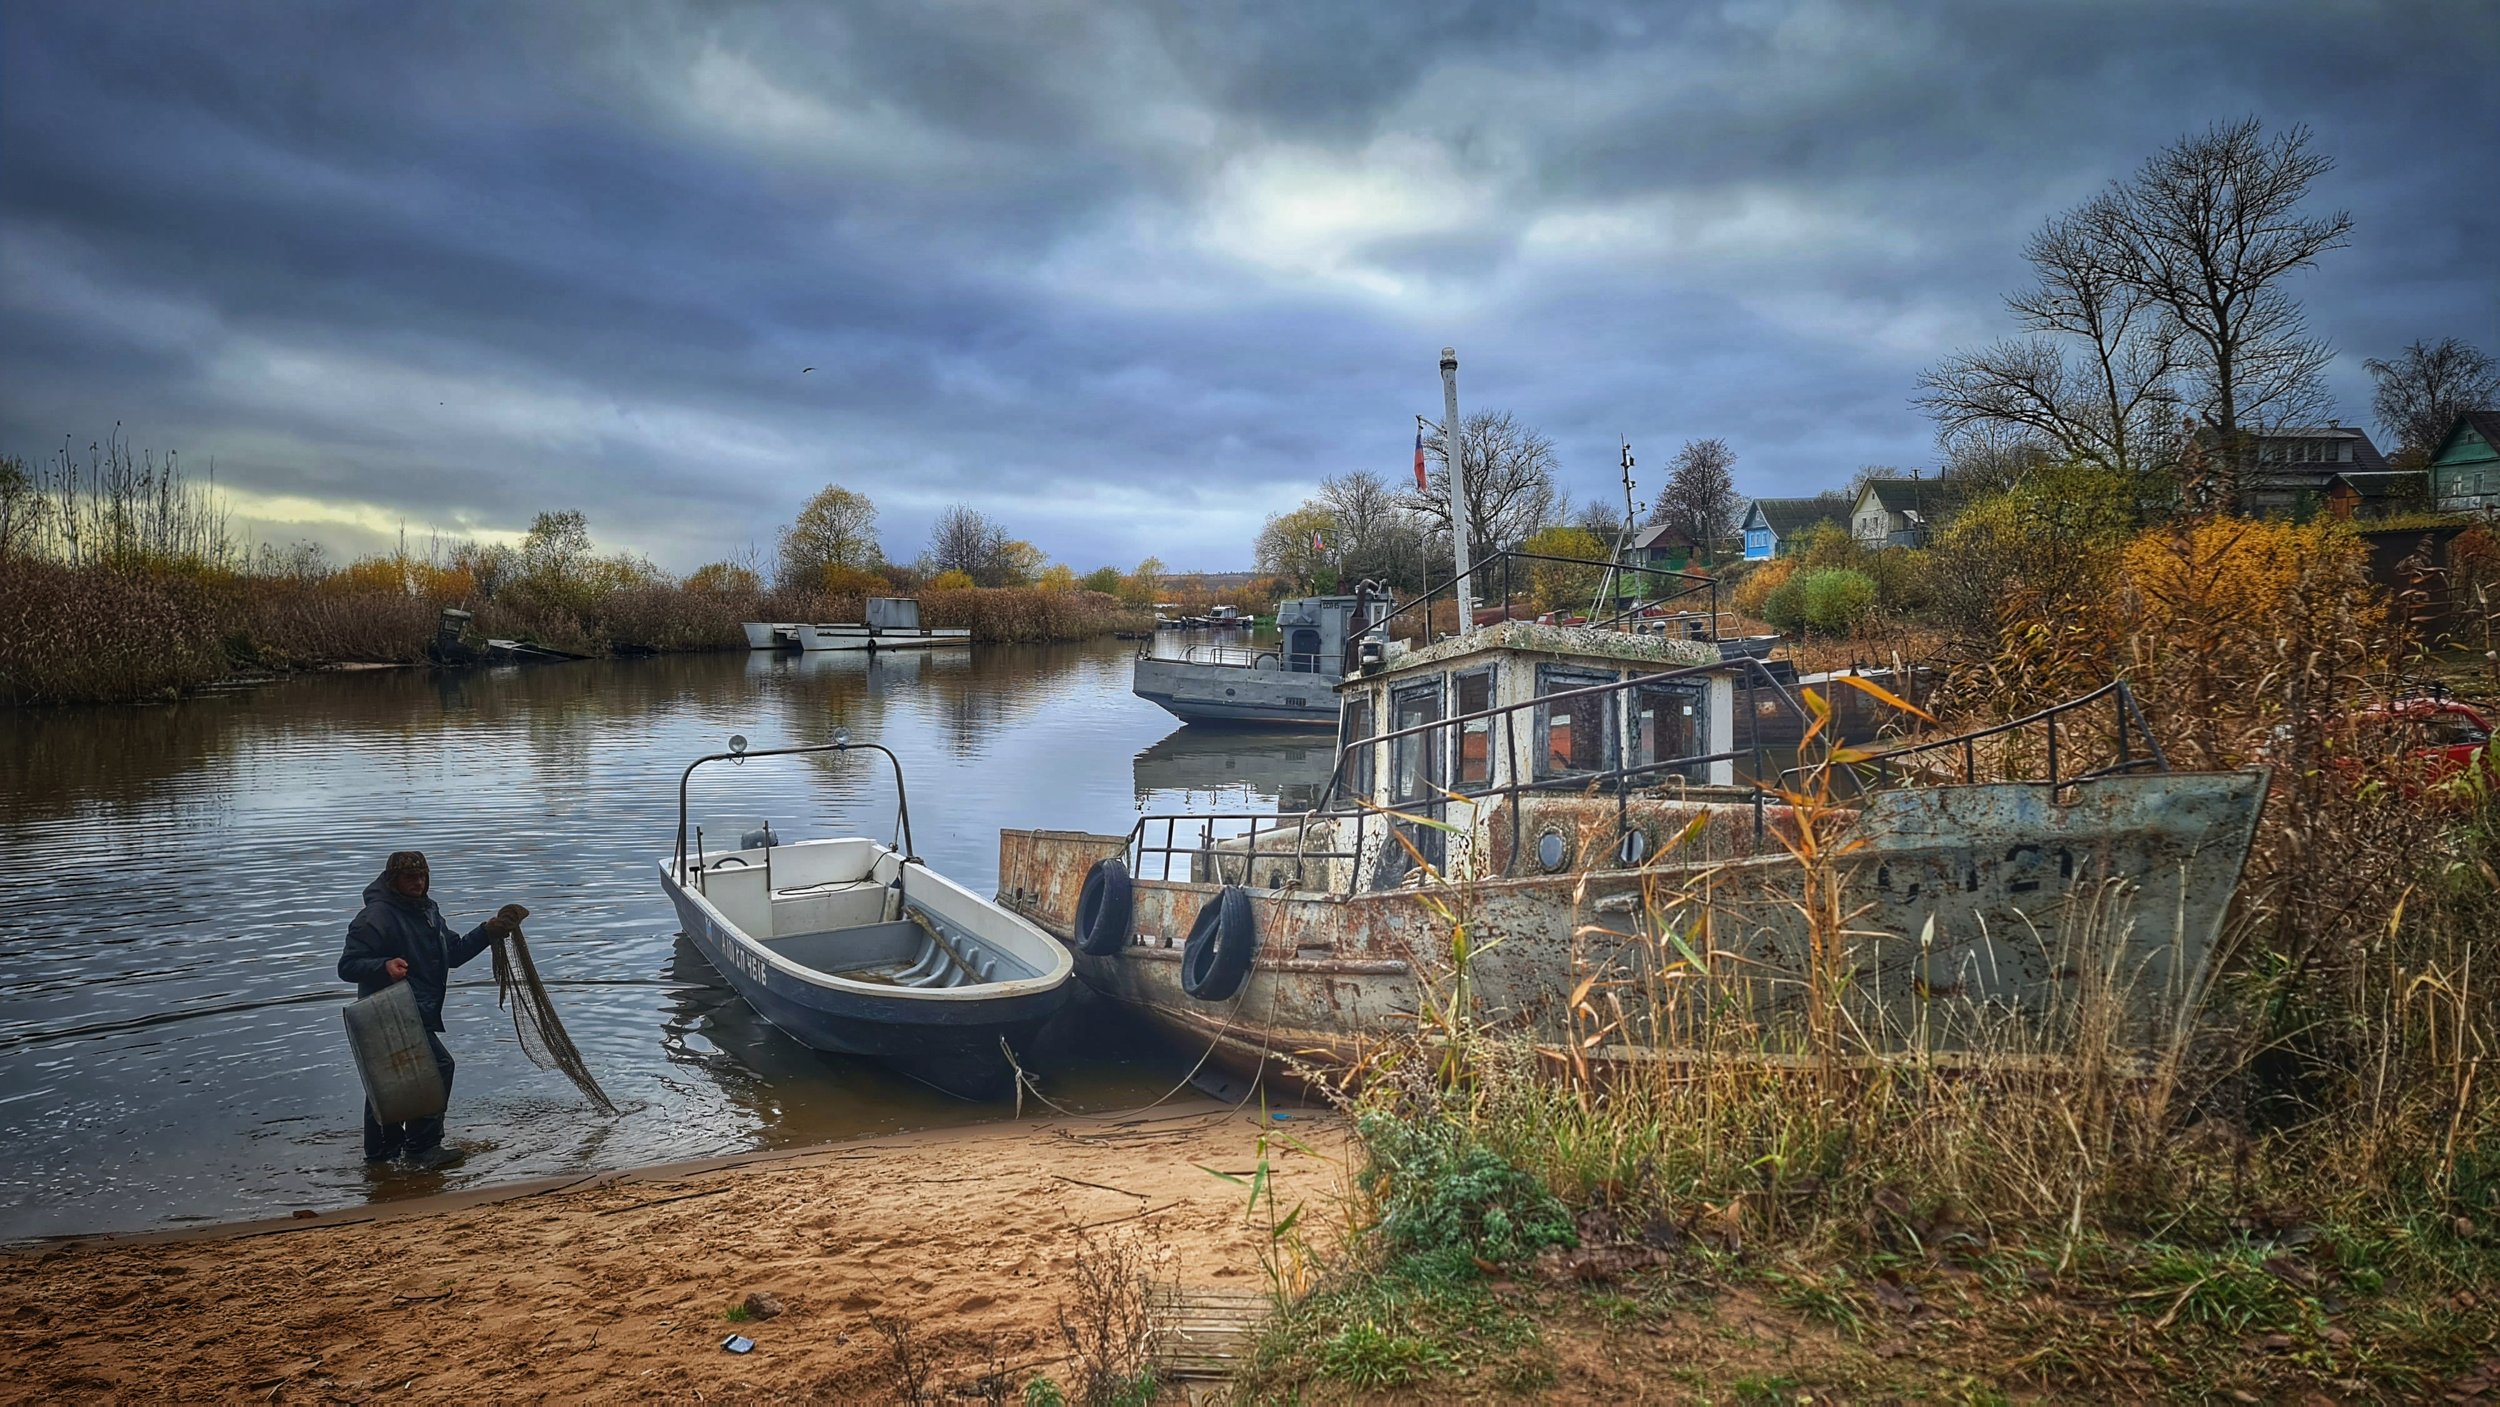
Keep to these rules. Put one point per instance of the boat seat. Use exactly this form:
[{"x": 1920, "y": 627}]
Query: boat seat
[
  {"x": 845, "y": 950},
  {"x": 899, "y": 952},
  {"x": 816, "y": 909},
  {"x": 830, "y": 886}
]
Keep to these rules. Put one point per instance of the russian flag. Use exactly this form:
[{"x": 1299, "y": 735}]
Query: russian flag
[
  {"x": 1420, "y": 484},
  {"x": 1316, "y": 544}
]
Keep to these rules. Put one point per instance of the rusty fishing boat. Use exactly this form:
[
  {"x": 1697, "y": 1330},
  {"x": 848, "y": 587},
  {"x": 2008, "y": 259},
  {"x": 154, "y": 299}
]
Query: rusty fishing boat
[{"x": 1575, "y": 801}]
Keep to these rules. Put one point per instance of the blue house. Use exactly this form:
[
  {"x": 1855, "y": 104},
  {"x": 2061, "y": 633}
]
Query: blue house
[{"x": 1772, "y": 525}]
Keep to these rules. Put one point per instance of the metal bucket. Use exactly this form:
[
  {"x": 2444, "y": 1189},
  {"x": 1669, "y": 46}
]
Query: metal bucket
[{"x": 392, "y": 1056}]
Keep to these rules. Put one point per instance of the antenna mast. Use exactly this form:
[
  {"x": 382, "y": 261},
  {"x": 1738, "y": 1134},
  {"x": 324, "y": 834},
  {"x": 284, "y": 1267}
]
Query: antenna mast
[{"x": 1623, "y": 539}]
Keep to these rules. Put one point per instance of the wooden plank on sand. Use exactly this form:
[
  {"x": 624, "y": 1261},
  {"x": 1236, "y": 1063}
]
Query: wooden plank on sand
[{"x": 1199, "y": 1332}]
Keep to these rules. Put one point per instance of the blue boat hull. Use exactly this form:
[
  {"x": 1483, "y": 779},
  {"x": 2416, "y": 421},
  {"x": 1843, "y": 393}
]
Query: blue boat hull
[{"x": 957, "y": 1046}]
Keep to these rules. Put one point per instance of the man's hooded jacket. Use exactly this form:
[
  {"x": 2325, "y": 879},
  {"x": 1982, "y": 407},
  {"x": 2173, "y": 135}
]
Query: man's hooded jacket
[{"x": 392, "y": 925}]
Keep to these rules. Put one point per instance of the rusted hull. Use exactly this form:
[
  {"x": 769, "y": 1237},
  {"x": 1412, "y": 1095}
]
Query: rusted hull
[{"x": 1965, "y": 906}]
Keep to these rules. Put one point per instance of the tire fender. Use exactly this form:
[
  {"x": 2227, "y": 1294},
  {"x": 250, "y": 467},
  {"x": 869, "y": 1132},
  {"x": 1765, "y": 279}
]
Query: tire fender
[
  {"x": 1221, "y": 943},
  {"x": 1104, "y": 908}
]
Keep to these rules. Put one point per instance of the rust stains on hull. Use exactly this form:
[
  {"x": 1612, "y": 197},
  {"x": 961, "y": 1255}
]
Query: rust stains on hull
[{"x": 1967, "y": 905}]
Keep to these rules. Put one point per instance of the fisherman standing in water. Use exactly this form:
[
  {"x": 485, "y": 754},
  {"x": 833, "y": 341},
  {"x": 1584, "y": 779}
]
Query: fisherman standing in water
[{"x": 400, "y": 936}]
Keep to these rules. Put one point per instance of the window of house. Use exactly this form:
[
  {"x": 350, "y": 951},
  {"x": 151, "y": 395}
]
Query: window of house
[
  {"x": 1415, "y": 759},
  {"x": 1358, "y": 729},
  {"x": 1472, "y": 692},
  {"x": 1668, "y": 721},
  {"x": 1574, "y": 736}
]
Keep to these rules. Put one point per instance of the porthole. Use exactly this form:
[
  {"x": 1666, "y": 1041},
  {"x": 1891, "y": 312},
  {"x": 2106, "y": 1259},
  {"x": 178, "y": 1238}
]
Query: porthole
[
  {"x": 1552, "y": 851},
  {"x": 1634, "y": 847}
]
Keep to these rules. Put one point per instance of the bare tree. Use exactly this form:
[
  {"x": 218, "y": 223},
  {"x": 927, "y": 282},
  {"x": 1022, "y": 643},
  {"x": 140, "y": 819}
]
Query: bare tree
[
  {"x": 1989, "y": 456},
  {"x": 837, "y": 528},
  {"x": 2423, "y": 391},
  {"x": 1700, "y": 493},
  {"x": 2207, "y": 230},
  {"x": 1378, "y": 534},
  {"x": 1510, "y": 483},
  {"x": 964, "y": 541},
  {"x": 2095, "y": 380},
  {"x": 1602, "y": 519},
  {"x": 21, "y": 506}
]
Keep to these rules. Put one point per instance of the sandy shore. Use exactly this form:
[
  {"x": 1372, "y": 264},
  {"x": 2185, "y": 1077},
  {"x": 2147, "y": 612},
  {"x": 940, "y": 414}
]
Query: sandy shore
[{"x": 617, "y": 1286}]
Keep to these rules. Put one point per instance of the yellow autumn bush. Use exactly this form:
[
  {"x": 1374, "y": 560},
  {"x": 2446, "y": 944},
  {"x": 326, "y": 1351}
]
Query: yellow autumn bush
[
  {"x": 2229, "y": 625},
  {"x": 1756, "y": 586}
]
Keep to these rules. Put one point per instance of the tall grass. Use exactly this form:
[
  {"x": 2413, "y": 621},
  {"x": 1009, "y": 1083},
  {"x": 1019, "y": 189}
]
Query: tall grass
[{"x": 2314, "y": 1123}]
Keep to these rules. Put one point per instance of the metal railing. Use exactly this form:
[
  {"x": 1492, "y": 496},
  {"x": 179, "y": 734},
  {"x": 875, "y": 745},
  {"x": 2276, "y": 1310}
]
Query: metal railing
[
  {"x": 1336, "y": 806},
  {"x": 1620, "y": 781},
  {"x": 2129, "y": 728},
  {"x": 1330, "y": 664}
]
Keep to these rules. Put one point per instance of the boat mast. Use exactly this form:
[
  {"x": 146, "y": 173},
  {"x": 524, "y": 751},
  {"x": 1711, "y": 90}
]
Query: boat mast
[{"x": 1450, "y": 443}]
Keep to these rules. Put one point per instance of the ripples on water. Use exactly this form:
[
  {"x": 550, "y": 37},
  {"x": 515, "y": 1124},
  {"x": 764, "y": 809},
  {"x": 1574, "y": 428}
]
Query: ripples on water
[{"x": 180, "y": 879}]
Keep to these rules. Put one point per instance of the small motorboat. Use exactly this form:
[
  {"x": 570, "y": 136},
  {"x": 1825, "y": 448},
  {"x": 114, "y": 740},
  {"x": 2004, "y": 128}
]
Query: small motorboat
[{"x": 855, "y": 946}]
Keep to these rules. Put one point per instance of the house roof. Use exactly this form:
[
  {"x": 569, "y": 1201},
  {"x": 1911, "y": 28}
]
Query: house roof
[
  {"x": 2380, "y": 483},
  {"x": 2365, "y": 455},
  {"x": 1661, "y": 535},
  {"x": 1789, "y": 516},
  {"x": 1925, "y": 497},
  {"x": 2485, "y": 423}
]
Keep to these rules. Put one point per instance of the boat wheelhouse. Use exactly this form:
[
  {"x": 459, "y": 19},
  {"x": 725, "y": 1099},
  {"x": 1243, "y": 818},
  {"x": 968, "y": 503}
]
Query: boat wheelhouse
[{"x": 1289, "y": 683}]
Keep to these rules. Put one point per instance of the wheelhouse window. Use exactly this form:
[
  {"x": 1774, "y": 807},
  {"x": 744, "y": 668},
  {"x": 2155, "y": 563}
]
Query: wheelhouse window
[
  {"x": 1574, "y": 736},
  {"x": 1357, "y": 729},
  {"x": 1472, "y": 692},
  {"x": 1669, "y": 721},
  {"x": 1415, "y": 759}
]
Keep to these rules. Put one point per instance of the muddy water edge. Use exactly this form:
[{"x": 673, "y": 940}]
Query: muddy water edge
[{"x": 179, "y": 879}]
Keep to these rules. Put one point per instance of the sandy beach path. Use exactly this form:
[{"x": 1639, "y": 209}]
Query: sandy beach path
[{"x": 616, "y": 1286}]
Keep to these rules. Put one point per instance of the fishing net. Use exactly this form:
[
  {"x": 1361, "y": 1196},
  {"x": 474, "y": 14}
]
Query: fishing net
[{"x": 534, "y": 1019}]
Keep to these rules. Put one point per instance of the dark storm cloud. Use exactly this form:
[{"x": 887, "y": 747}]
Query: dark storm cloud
[{"x": 1127, "y": 279}]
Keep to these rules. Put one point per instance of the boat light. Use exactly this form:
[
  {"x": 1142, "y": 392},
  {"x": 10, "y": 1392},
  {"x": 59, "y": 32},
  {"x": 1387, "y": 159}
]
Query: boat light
[{"x": 737, "y": 744}]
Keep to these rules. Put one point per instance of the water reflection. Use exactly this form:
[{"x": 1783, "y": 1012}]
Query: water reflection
[
  {"x": 1241, "y": 769},
  {"x": 170, "y": 1047}
]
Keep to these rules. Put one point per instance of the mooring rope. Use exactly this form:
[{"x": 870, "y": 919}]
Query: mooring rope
[{"x": 534, "y": 1019}]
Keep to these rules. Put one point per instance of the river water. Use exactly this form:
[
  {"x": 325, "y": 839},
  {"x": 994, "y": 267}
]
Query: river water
[{"x": 179, "y": 879}]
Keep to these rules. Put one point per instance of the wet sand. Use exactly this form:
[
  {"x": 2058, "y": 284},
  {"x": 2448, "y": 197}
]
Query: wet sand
[{"x": 617, "y": 1285}]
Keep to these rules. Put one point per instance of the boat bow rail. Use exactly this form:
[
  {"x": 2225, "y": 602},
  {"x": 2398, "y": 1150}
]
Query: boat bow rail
[{"x": 739, "y": 753}]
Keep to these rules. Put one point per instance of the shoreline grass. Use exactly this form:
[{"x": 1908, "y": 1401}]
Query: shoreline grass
[
  {"x": 139, "y": 631},
  {"x": 2292, "y": 1190}
]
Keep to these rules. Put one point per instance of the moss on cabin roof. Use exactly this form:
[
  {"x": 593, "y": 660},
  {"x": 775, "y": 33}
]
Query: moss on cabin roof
[{"x": 1663, "y": 651}]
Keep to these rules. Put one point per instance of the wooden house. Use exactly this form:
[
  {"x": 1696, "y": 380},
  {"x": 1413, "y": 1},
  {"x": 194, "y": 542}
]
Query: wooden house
[
  {"x": 1898, "y": 512},
  {"x": 2465, "y": 469},
  {"x": 1773, "y": 526},
  {"x": 2367, "y": 495},
  {"x": 2294, "y": 464},
  {"x": 1665, "y": 547}
]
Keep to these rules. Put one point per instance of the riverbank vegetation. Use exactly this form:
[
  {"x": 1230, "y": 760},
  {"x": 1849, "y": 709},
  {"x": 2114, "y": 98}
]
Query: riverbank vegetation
[
  {"x": 121, "y": 580},
  {"x": 2287, "y": 1184}
]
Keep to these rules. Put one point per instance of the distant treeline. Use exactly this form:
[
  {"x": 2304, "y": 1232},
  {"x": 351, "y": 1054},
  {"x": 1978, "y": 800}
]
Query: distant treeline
[{"x": 120, "y": 580}]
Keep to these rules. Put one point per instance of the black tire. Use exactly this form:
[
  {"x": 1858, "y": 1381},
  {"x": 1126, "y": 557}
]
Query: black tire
[
  {"x": 1104, "y": 908},
  {"x": 1221, "y": 944}
]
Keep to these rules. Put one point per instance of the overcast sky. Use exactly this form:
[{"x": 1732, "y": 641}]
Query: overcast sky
[{"x": 1125, "y": 278}]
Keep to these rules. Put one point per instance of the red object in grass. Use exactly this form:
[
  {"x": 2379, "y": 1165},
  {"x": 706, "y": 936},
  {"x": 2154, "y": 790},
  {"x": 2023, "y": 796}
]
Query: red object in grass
[{"x": 2445, "y": 736}]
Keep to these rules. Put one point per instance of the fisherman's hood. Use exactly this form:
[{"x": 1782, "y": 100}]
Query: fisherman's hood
[{"x": 380, "y": 892}]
